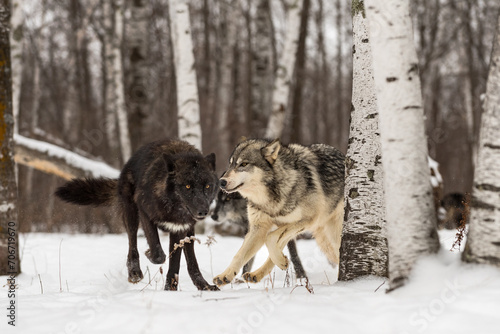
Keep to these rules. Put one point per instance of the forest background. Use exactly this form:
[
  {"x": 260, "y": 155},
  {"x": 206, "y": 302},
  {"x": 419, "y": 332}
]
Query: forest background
[{"x": 64, "y": 46}]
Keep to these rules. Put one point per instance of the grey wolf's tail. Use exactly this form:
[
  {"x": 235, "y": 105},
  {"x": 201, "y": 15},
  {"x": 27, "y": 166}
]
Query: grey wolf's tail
[{"x": 96, "y": 192}]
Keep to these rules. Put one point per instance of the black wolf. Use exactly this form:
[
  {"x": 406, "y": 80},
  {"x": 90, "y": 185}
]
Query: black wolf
[
  {"x": 232, "y": 209},
  {"x": 166, "y": 184}
]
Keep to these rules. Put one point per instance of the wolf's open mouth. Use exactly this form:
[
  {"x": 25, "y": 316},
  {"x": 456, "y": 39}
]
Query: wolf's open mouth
[{"x": 234, "y": 189}]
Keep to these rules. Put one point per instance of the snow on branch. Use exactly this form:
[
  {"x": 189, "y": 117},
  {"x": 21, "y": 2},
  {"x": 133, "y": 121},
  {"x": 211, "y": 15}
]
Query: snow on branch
[{"x": 56, "y": 160}]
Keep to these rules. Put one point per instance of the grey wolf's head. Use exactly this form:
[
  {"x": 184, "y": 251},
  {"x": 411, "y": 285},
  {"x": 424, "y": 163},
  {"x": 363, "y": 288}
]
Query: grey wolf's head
[
  {"x": 231, "y": 208},
  {"x": 192, "y": 177},
  {"x": 250, "y": 165}
]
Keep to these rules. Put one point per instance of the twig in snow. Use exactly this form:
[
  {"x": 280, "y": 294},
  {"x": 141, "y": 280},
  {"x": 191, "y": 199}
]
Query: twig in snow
[
  {"x": 210, "y": 241},
  {"x": 182, "y": 243},
  {"x": 41, "y": 285},
  {"x": 152, "y": 278},
  {"x": 379, "y": 286},
  {"x": 459, "y": 237},
  {"x": 60, "y": 279}
]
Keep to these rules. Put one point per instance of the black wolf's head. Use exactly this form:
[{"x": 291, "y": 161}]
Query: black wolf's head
[
  {"x": 192, "y": 177},
  {"x": 251, "y": 167}
]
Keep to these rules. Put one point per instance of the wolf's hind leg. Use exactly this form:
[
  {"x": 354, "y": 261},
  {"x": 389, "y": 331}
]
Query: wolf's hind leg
[
  {"x": 131, "y": 221},
  {"x": 294, "y": 256}
]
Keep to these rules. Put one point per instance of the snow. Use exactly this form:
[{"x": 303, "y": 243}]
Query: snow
[
  {"x": 86, "y": 291},
  {"x": 96, "y": 168},
  {"x": 436, "y": 178}
]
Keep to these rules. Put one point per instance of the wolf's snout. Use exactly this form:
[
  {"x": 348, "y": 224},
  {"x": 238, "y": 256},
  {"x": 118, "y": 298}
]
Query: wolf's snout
[
  {"x": 202, "y": 214},
  {"x": 223, "y": 183}
]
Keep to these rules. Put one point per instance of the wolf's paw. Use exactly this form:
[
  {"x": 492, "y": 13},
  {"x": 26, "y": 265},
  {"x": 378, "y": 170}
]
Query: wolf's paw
[
  {"x": 280, "y": 260},
  {"x": 157, "y": 258},
  {"x": 252, "y": 277},
  {"x": 209, "y": 287},
  {"x": 135, "y": 276},
  {"x": 224, "y": 278}
]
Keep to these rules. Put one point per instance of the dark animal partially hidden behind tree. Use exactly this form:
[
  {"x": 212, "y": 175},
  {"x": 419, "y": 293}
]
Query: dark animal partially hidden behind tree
[
  {"x": 166, "y": 184},
  {"x": 454, "y": 207}
]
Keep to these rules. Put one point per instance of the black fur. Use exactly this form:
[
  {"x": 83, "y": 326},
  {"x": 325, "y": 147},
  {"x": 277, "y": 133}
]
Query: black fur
[
  {"x": 96, "y": 192},
  {"x": 166, "y": 181}
]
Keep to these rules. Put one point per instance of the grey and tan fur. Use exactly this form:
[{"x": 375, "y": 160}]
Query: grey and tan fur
[{"x": 290, "y": 189}]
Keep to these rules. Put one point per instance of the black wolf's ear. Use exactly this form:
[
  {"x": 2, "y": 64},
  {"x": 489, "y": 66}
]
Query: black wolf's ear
[
  {"x": 169, "y": 163},
  {"x": 271, "y": 150},
  {"x": 211, "y": 160}
]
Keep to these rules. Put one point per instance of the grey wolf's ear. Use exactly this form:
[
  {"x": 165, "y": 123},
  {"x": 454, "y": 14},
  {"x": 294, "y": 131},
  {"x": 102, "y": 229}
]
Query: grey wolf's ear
[
  {"x": 271, "y": 150},
  {"x": 169, "y": 163},
  {"x": 211, "y": 160}
]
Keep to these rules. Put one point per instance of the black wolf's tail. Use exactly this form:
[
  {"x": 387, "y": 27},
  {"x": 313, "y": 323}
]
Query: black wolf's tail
[{"x": 95, "y": 192}]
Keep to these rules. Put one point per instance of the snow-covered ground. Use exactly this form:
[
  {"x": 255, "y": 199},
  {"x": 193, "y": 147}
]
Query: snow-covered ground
[{"x": 85, "y": 290}]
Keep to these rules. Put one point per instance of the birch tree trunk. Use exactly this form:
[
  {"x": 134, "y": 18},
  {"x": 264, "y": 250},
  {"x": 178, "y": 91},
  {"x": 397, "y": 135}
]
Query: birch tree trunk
[
  {"x": 284, "y": 73},
  {"x": 116, "y": 113},
  {"x": 16, "y": 51},
  {"x": 109, "y": 87},
  {"x": 411, "y": 223},
  {"x": 483, "y": 239},
  {"x": 137, "y": 85},
  {"x": 363, "y": 249},
  {"x": 188, "y": 107},
  {"x": 121, "y": 110},
  {"x": 9, "y": 245},
  {"x": 263, "y": 64}
]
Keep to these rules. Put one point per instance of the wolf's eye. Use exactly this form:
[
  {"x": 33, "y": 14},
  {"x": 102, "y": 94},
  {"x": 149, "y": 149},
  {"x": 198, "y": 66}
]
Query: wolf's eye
[
  {"x": 207, "y": 186},
  {"x": 244, "y": 164},
  {"x": 188, "y": 186}
]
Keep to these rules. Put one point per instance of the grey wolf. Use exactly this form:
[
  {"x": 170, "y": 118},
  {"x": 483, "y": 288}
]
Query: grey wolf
[
  {"x": 289, "y": 189},
  {"x": 231, "y": 212},
  {"x": 167, "y": 185}
]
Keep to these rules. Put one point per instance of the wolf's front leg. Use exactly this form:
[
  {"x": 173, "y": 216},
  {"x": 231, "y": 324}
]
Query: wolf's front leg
[
  {"x": 174, "y": 262},
  {"x": 277, "y": 240},
  {"x": 259, "y": 274},
  {"x": 155, "y": 252},
  {"x": 265, "y": 269},
  {"x": 193, "y": 268},
  {"x": 254, "y": 240}
]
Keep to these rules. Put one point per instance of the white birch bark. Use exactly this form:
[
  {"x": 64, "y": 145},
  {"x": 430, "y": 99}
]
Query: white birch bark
[
  {"x": 284, "y": 73},
  {"x": 411, "y": 223},
  {"x": 16, "y": 51},
  {"x": 483, "y": 239},
  {"x": 118, "y": 79},
  {"x": 116, "y": 113},
  {"x": 363, "y": 249},
  {"x": 109, "y": 89},
  {"x": 188, "y": 107}
]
